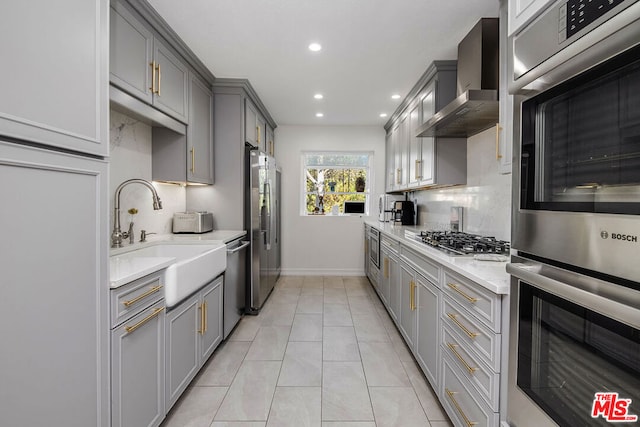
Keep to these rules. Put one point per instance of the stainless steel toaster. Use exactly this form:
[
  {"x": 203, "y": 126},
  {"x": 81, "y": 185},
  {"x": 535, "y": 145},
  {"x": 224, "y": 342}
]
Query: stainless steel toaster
[{"x": 192, "y": 222}]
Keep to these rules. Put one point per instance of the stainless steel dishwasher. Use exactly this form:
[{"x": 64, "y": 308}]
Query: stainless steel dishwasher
[{"x": 234, "y": 284}]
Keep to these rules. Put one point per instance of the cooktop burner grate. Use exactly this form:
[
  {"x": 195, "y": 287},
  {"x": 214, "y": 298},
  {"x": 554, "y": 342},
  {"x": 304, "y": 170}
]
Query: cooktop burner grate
[{"x": 464, "y": 243}]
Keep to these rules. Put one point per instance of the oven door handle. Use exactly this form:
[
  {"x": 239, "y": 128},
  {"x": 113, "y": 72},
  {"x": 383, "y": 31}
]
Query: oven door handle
[{"x": 614, "y": 301}]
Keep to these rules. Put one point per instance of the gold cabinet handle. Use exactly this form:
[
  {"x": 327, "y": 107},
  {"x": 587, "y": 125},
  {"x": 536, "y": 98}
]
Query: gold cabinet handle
[
  {"x": 468, "y": 367},
  {"x": 258, "y": 133},
  {"x": 399, "y": 176},
  {"x": 386, "y": 268},
  {"x": 455, "y": 287},
  {"x": 151, "y": 290},
  {"x": 153, "y": 314},
  {"x": 413, "y": 294},
  {"x": 498, "y": 129},
  {"x": 193, "y": 159},
  {"x": 467, "y": 421},
  {"x": 418, "y": 169},
  {"x": 201, "y": 330},
  {"x": 470, "y": 334},
  {"x": 153, "y": 76},
  {"x": 206, "y": 316},
  {"x": 159, "y": 79}
]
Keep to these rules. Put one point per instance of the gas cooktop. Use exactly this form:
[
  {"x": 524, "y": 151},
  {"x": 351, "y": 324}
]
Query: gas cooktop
[{"x": 458, "y": 243}]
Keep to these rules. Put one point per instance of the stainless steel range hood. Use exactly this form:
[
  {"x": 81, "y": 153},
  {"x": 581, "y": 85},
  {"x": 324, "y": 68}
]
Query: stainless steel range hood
[{"x": 476, "y": 107}]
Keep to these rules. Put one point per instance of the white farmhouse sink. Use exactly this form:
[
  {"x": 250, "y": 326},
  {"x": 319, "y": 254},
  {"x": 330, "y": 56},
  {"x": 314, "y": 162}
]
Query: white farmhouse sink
[{"x": 194, "y": 266}]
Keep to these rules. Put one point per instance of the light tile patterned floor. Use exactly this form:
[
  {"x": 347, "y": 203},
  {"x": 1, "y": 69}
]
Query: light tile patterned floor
[{"x": 322, "y": 353}]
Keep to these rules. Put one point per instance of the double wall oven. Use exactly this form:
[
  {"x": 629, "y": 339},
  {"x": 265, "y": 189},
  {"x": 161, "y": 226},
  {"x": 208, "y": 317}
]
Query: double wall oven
[{"x": 574, "y": 341}]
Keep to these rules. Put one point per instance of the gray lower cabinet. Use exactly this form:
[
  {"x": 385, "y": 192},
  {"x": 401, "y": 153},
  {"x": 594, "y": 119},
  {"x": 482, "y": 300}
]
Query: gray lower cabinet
[
  {"x": 408, "y": 306},
  {"x": 137, "y": 352},
  {"x": 56, "y": 54},
  {"x": 138, "y": 369},
  {"x": 142, "y": 65},
  {"x": 54, "y": 318},
  {"x": 194, "y": 330},
  {"x": 428, "y": 328}
]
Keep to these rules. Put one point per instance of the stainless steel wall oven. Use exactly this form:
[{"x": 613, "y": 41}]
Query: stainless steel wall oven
[{"x": 575, "y": 288}]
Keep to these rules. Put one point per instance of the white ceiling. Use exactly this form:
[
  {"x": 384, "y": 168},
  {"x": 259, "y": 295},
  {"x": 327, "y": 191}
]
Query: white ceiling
[{"x": 371, "y": 49}]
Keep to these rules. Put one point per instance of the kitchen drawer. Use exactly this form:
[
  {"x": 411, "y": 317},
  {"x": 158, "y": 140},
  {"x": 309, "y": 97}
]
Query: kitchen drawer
[
  {"x": 481, "y": 302},
  {"x": 476, "y": 336},
  {"x": 461, "y": 401},
  {"x": 392, "y": 244},
  {"x": 473, "y": 369},
  {"x": 373, "y": 274},
  {"x": 426, "y": 267},
  {"x": 129, "y": 299}
]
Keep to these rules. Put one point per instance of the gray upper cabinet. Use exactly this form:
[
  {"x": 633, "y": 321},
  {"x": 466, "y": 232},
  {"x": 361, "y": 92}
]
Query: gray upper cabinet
[
  {"x": 54, "y": 318},
  {"x": 130, "y": 54},
  {"x": 200, "y": 132},
  {"x": 170, "y": 91},
  {"x": 54, "y": 87},
  {"x": 254, "y": 127},
  {"x": 425, "y": 161},
  {"x": 142, "y": 65},
  {"x": 187, "y": 158},
  {"x": 270, "y": 141}
]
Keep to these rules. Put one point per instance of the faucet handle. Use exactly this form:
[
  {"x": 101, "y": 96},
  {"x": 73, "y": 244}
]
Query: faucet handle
[{"x": 143, "y": 235}]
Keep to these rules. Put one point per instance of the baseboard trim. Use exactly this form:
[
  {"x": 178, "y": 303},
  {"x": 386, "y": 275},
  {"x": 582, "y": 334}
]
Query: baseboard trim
[{"x": 321, "y": 272}]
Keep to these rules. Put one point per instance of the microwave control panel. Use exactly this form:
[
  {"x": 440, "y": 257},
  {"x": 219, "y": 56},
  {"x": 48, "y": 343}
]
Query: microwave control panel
[{"x": 578, "y": 14}]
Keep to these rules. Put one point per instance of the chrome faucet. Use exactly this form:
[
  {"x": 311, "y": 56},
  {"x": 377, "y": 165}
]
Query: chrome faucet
[{"x": 117, "y": 235}]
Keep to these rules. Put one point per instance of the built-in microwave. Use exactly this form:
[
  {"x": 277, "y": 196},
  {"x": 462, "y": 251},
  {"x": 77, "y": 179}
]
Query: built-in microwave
[{"x": 577, "y": 136}]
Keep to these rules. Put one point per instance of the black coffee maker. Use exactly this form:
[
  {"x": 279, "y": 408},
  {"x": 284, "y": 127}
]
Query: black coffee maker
[{"x": 404, "y": 213}]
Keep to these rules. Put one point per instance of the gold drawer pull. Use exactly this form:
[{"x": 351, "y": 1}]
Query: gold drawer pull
[
  {"x": 155, "y": 312},
  {"x": 467, "y": 421},
  {"x": 453, "y": 317},
  {"x": 193, "y": 160},
  {"x": 455, "y": 287},
  {"x": 151, "y": 290},
  {"x": 469, "y": 368}
]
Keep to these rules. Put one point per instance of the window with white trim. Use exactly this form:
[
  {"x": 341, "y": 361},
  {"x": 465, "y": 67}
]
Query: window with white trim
[{"x": 332, "y": 180}]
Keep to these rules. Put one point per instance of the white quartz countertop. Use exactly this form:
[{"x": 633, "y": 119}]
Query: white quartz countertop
[
  {"x": 491, "y": 275},
  {"x": 124, "y": 269}
]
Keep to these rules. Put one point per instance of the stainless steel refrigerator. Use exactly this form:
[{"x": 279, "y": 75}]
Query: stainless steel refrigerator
[{"x": 262, "y": 219}]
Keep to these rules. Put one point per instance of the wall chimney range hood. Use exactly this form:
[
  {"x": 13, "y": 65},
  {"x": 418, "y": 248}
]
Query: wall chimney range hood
[{"x": 476, "y": 107}]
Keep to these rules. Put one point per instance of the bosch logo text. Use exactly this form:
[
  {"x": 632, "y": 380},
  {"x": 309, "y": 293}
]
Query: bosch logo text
[
  {"x": 619, "y": 236},
  {"x": 624, "y": 237}
]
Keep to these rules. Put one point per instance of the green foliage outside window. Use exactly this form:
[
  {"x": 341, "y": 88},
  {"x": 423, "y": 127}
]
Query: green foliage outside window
[{"x": 334, "y": 177}]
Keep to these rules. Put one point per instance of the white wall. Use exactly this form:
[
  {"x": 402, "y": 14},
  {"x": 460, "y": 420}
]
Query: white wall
[
  {"x": 130, "y": 157},
  {"x": 325, "y": 245},
  {"x": 486, "y": 198}
]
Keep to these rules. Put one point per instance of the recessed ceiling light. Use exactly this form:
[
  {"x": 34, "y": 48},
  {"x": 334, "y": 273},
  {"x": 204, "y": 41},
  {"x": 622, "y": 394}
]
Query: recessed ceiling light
[
  {"x": 395, "y": 96},
  {"x": 315, "y": 47},
  {"x": 319, "y": 115},
  {"x": 383, "y": 114},
  {"x": 318, "y": 96}
]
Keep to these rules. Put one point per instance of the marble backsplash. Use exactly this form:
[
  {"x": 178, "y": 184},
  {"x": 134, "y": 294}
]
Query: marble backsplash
[
  {"x": 130, "y": 157},
  {"x": 486, "y": 199}
]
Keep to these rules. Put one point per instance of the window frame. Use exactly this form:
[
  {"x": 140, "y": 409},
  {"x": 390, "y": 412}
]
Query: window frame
[{"x": 368, "y": 189}]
